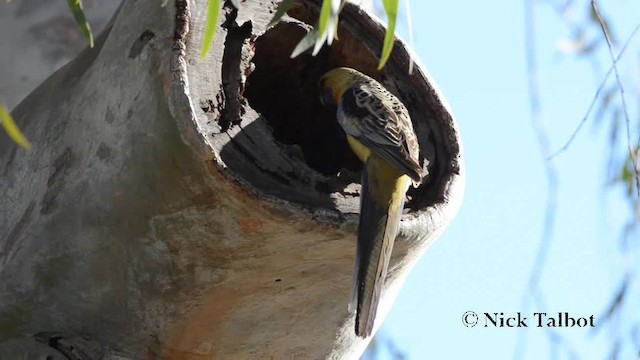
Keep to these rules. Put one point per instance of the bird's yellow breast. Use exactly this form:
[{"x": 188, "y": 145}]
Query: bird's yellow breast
[
  {"x": 386, "y": 182},
  {"x": 359, "y": 149}
]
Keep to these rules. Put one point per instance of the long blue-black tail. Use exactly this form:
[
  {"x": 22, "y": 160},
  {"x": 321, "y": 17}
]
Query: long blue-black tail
[{"x": 380, "y": 210}]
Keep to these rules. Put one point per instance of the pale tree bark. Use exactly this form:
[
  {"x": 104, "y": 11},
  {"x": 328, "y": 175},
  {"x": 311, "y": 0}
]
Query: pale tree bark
[
  {"x": 179, "y": 207},
  {"x": 37, "y": 38}
]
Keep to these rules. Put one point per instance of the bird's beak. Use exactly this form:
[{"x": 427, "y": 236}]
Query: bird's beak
[{"x": 326, "y": 98}]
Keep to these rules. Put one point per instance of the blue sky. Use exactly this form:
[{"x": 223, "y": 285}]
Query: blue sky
[{"x": 475, "y": 51}]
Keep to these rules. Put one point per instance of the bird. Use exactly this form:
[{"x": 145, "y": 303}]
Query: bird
[{"x": 379, "y": 131}]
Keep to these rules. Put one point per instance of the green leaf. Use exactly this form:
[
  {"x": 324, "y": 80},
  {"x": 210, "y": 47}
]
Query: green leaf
[
  {"x": 333, "y": 31},
  {"x": 212, "y": 22},
  {"x": 283, "y": 7},
  {"x": 627, "y": 175},
  {"x": 328, "y": 24},
  {"x": 164, "y": 3},
  {"x": 12, "y": 129},
  {"x": 318, "y": 36},
  {"x": 235, "y": 3},
  {"x": 325, "y": 16},
  {"x": 324, "y": 23},
  {"x": 78, "y": 14},
  {"x": 307, "y": 42},
  {"x": 320, "y": 40},
  {"x": 391, "y": 8}
]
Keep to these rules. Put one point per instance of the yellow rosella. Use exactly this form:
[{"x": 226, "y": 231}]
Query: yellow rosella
[{"x": 380, "y": 133}]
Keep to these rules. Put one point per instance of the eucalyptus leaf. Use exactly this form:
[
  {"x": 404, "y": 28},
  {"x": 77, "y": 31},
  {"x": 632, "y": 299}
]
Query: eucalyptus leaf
[
  {"x": 328, "y": 23},
  {"x": 325, "y": 17},
  {"x": 12, "y": 129},
  {"x": 391, "y": 8},
  {"x": 213, "y": 12},
  {"x": 318, "y": 45},
  {"x": 307, "y": 42},
  {"x": 283, "y": 7},
  {"x": 336, "y": 7},
  {"x": 78, "y": 14}
]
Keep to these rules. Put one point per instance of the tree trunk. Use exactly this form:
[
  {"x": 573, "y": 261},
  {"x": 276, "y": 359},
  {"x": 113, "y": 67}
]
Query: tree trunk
[{"x": 178, "y": 207}]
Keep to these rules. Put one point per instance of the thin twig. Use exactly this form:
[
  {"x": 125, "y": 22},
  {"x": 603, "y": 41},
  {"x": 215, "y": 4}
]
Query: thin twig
[
  {"x": 550, "y": 170},
  {"x": 543, "y": 142},
  {"x": 595, "y": 98},
  {"x": 624, "y": 102}
]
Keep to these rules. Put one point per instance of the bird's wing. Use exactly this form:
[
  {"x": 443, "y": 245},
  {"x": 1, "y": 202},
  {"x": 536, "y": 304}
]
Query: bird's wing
[{"x": 377, "y": 119}]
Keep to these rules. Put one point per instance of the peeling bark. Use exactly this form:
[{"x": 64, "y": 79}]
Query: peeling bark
[{"x": 178, "y": 207}]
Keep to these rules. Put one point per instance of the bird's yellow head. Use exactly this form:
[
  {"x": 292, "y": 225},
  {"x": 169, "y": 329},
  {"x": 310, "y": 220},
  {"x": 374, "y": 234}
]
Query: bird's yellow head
[{"x": 335, "y": 82}]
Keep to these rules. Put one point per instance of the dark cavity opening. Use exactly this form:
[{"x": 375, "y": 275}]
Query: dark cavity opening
[{"x": 285, "y": 92}]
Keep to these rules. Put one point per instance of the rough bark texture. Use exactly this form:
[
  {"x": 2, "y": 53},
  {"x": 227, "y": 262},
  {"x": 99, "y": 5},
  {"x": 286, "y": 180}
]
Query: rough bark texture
[{"x": 177, "y": 207}]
